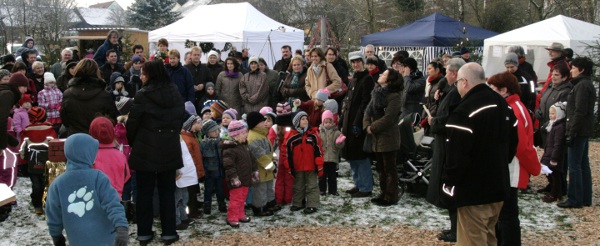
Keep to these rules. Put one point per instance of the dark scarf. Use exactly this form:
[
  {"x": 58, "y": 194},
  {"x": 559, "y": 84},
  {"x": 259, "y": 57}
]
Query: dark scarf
[
  {"x": 232, "y": 74},
  {"x": 295, "y": 78},
  {"x": 378, "y": 101}
]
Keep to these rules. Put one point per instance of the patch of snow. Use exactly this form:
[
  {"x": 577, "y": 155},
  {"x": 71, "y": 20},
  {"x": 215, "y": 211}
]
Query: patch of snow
[{"x": 23, "y": 227}]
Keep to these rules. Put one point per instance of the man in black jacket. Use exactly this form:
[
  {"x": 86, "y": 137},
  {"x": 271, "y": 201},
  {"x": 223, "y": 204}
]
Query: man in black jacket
[
  {"x": 110, "y": 67},
  {"x": 448, "y": 97},
  {"x": 286, "y": 56},
  {"x": 481, "y": 141},
  {"x": 200, "y": 74}
]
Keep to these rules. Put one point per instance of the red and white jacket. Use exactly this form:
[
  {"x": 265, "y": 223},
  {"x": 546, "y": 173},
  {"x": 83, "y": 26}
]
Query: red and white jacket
[
  {"x": 525, "y": 162},
  {"x": 50, "y": 98}
]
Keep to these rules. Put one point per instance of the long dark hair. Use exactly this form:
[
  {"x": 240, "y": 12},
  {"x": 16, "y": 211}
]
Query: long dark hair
[
  {"x": 395, "y": 81},
  {"x": 236, "y": 64},
  {"x": 156, "y": 73}
]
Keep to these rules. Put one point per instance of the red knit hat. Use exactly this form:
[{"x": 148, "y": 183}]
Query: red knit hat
[
  {"x": 103, "y": 130},
  {"x": 36, "y": 114},
  {"x": 18, "y": 79},
  {"x": 25, "y": 98}
]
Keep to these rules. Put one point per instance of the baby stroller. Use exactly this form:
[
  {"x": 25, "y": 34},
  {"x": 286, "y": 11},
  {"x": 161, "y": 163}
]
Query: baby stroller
[{"x": 414, "y": 156}]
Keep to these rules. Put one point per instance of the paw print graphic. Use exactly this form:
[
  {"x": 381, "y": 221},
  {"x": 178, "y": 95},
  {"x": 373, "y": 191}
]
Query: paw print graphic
[{"x": 80, "y": 201}]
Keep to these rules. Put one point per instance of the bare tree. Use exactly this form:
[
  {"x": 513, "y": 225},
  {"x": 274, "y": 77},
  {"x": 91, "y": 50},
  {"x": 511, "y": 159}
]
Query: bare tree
[{"x": 118, "y": 17}]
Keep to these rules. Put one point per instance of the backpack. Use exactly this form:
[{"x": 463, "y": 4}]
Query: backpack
[{"x": 36, "y": 155}]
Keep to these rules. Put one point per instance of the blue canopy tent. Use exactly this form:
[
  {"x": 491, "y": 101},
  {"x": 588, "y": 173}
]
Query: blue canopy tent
[{"x": 426, "y": 38}]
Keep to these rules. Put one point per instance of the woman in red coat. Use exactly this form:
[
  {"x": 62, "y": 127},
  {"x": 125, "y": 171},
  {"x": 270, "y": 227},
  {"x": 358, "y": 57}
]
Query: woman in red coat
[{"x": 524, "y": 164}]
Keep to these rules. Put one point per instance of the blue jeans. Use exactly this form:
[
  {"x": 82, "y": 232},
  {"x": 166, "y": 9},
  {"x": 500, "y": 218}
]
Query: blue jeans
[
  {"x": 181, "y": 199},
  {"x": 130, "y": 189},
  {"x": 362, "y": 174},
  {"x": 213, "y": 185},
  {"x": 580, "y": 175}
]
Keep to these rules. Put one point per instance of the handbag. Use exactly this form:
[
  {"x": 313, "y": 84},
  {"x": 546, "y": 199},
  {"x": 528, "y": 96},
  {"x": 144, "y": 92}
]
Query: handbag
[
  {"x": 368, "y": 144},
  {"x": 338, "y": 93}
]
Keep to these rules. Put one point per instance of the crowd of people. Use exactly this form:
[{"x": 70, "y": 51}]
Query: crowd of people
[{"x": 141, "y": 135}]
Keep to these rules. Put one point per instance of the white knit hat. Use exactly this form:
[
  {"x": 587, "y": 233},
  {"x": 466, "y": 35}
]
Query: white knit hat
[
  {"x": 49, "y": 77},
  {"x": 213, "y": 53}
]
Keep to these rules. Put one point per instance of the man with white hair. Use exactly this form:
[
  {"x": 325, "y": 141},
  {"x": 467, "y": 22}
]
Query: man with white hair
[
  {"x": 370, "y": 51},
  {"x": 481, "y": 141},
  {"x": 58, "y": 68}
]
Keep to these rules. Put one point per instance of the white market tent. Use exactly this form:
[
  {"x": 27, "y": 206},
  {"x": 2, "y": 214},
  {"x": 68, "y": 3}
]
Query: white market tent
[
  {"x": 534, "y": 38},
  {"x": 237, "y": 23}
]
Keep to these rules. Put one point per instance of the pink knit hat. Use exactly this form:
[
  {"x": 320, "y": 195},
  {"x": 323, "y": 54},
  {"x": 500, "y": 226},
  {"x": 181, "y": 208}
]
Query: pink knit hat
[
  {"x": 284, "y": 109},
  {"x": 326, "y": 115},
  {"x": 236, "y": 127},
  {"x": 266, "y": 109}
]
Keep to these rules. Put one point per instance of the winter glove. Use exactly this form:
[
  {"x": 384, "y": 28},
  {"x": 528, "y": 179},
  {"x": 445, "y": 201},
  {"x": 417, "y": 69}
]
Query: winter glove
[
  {"x": 122, "y": 237},
  {"x": 320, "y": 172},
  {"x": 424, "y": 123},
  {"x": 340, "y": 139},
  {"x": 255, "y": 178},
  {"x": 270, "y": 167},
  {"x": 356, "y": 130},
  {"x": 545, "y": 170},
  {"x": 59, "y": 240},
  {"x": 235, "y": 182},
  {"x": 569, "y": 141}
]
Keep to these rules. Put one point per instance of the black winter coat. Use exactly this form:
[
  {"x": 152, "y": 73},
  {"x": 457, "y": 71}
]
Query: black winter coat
[
  {"x": 555, "y": 147},
  {"x": 482, "y": 140},
  {"x": 435, "y": 195},
  {"x": 201, "y": 74},
  {"x": 9, "y": 96},
  {"x": 153, "y": 128},
  {"x": 553, "y": 94},
  {"x": 580, "y": 108},
  {"x": 299, "y": 92},
  {"x": 85, "y": 99},
  {"x": 355, "y": 102}
]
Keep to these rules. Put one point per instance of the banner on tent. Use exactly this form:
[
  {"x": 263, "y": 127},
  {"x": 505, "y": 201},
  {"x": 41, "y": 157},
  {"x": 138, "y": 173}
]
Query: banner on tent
[{"x": 423, "y": 55}]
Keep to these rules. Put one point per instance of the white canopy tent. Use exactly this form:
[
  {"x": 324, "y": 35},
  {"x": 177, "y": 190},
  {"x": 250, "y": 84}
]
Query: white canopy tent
[
  {"x": 237, "y": 23},
  {"x": 534, "y": 38}
]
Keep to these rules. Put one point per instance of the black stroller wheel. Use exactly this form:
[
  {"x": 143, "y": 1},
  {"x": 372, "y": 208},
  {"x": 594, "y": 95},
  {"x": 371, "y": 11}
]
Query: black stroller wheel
[{"x": 402, "y": 187}]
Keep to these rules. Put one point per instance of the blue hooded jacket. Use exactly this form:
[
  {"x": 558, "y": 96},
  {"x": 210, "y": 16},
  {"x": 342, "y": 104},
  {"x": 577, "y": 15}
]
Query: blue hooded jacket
[
  {"x": 100, "y": 56},
  {"x": 81, "y": 201}
]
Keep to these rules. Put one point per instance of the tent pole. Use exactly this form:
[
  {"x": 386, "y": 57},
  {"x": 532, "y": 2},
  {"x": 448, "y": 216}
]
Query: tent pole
[{"x": 323, "y": 34}]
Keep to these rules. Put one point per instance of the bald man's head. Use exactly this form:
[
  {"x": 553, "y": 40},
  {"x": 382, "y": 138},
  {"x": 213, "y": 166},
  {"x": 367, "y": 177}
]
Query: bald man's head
[{"x": 469, "y": 75}]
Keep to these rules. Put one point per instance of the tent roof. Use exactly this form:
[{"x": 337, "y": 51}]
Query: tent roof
[
  {"x": 433, "y": 30},
  {"x": 556, "y": 29},
  {"x": 242, "y": 19}
]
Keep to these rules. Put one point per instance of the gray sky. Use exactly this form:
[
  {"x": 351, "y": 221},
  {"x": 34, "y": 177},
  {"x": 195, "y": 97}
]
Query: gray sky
[{"x": 87, "y": 3}]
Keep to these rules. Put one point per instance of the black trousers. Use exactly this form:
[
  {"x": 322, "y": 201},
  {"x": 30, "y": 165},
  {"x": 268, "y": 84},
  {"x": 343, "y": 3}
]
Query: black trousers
[
  {"x": 165, "y": 182},
  {"x": 329, "y": 178},
  {"x": 37, "y": 189},
  {"x": 388, "y": 175},
  {"x": 508, "y": 229}
]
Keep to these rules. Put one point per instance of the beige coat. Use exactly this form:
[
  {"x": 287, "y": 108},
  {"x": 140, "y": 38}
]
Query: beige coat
[
  {"x": 228, "y": 89},
  {"x": 254, "y": 90},
  {"x": 319, "y": 81}
]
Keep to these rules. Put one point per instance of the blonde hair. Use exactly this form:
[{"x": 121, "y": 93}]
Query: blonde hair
[
  {"x": 196, "y": 49},
  {"x": 295, "y": 58},
  {"x": 174, "y": 52},
  {"x": 37, "y": 64}
]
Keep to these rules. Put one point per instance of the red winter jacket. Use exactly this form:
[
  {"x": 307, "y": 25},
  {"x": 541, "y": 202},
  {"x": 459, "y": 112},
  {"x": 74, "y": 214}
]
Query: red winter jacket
[
  {"x": 303, "y": 151},
  {"x": 525, "y": 162}
]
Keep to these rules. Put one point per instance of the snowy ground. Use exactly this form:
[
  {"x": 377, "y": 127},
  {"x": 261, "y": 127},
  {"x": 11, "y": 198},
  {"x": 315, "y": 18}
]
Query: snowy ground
[{"x": 23, "y": 227}]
